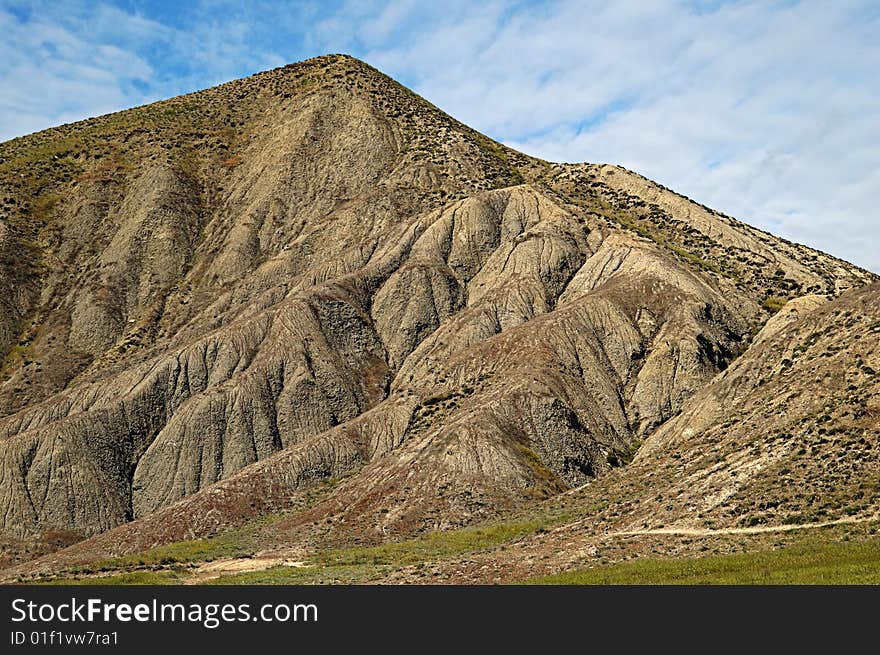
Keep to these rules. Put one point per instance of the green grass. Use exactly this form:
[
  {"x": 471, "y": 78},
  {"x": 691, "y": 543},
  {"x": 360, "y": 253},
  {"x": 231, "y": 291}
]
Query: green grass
[
  {"x": 239, "y": 542},
  {"x": 202, "y": 550},
  {"x": 141, "y": 568},
  {"x": 131, "y": 578},
  {"x": 774, "y": 303},
  {"x": 343, "y": 565},
  {"x": 820, "y": 558},
  {"x": 808, "y": 563},
  {"x": 433, "y": 546},
  {"x": 352, "y": 565},
  {"x": 291, "y": 575}
]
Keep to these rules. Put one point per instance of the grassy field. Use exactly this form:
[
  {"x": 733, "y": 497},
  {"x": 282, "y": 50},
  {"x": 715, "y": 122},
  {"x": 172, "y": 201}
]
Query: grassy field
[
  {"x": 359, "y": 574},
  {"x": 808, "y": 563},
  {"x": 829, "y": 555},
  {"x": 130, "y": 578},
  {"x": 353, "y": 565},
  {"x": 230, "y": 544},
  {"x": 433, "y": 546}
]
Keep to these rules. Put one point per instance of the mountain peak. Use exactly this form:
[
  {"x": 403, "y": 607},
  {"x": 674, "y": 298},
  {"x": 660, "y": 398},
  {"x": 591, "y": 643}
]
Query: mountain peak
[{"x": 217, "y": 302}]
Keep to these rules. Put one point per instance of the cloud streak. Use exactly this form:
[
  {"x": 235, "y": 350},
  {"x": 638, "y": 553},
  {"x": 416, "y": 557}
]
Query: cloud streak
[{"x": 765, "y": 110}]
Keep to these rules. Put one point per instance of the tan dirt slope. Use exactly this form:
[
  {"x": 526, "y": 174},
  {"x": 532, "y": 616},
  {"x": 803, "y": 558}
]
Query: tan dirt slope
[{"x": 215, "y": 302}]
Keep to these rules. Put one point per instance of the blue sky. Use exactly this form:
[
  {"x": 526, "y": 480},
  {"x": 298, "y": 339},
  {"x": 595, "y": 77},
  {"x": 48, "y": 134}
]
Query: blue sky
[{"x": 768, "y": 111}]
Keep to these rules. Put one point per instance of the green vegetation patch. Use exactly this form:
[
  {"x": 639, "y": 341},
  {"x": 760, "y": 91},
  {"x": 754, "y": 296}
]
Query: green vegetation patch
[
  {"x": 774, "y": 303},
  {"x": 808, "y": 563},
  {"x": 292, "y": 575},
  {"x": 201, "y": 550},
  {"x": 433, "y": 546},
  {"x": 131, "y": 578},
  {"x": 232, "y": 544}
]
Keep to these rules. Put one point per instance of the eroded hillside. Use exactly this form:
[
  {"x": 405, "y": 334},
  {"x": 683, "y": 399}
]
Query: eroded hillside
[{"x": 217, "y": 302}]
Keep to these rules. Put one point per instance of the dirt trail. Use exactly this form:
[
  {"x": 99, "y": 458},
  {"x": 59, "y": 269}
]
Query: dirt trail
[
  {"x": 212, "y": 570},
  {"x": 705, "y": 532}
]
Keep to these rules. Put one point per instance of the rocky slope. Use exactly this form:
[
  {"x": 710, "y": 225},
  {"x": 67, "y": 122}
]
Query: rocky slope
[
  {"x": 216, "y": 302},
  {"x": 784, "y": 442}
]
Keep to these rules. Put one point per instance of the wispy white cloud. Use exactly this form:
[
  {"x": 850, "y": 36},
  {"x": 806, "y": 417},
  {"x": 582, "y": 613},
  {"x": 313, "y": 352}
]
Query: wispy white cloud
[
  {"x": 64, "y": 61},
  {"x": 53, "y": 73},
  {"x": 765, "y": 110}
]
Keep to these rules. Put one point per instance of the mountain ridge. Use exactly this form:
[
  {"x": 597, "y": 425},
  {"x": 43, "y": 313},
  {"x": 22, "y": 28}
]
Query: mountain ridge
[{"x": 344, "y": 282}]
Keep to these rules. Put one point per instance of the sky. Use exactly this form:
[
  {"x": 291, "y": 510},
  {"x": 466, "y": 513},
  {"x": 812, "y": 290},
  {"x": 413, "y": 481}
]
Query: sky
[{"x": 768, "y": 111}]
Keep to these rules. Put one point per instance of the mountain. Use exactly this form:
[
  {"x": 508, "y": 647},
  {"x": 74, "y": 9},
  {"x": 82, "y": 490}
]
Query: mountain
[{"x": 310, "y": 293}]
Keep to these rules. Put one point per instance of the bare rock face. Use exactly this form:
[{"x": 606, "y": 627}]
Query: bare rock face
[{"x": 220, "y": 300}]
